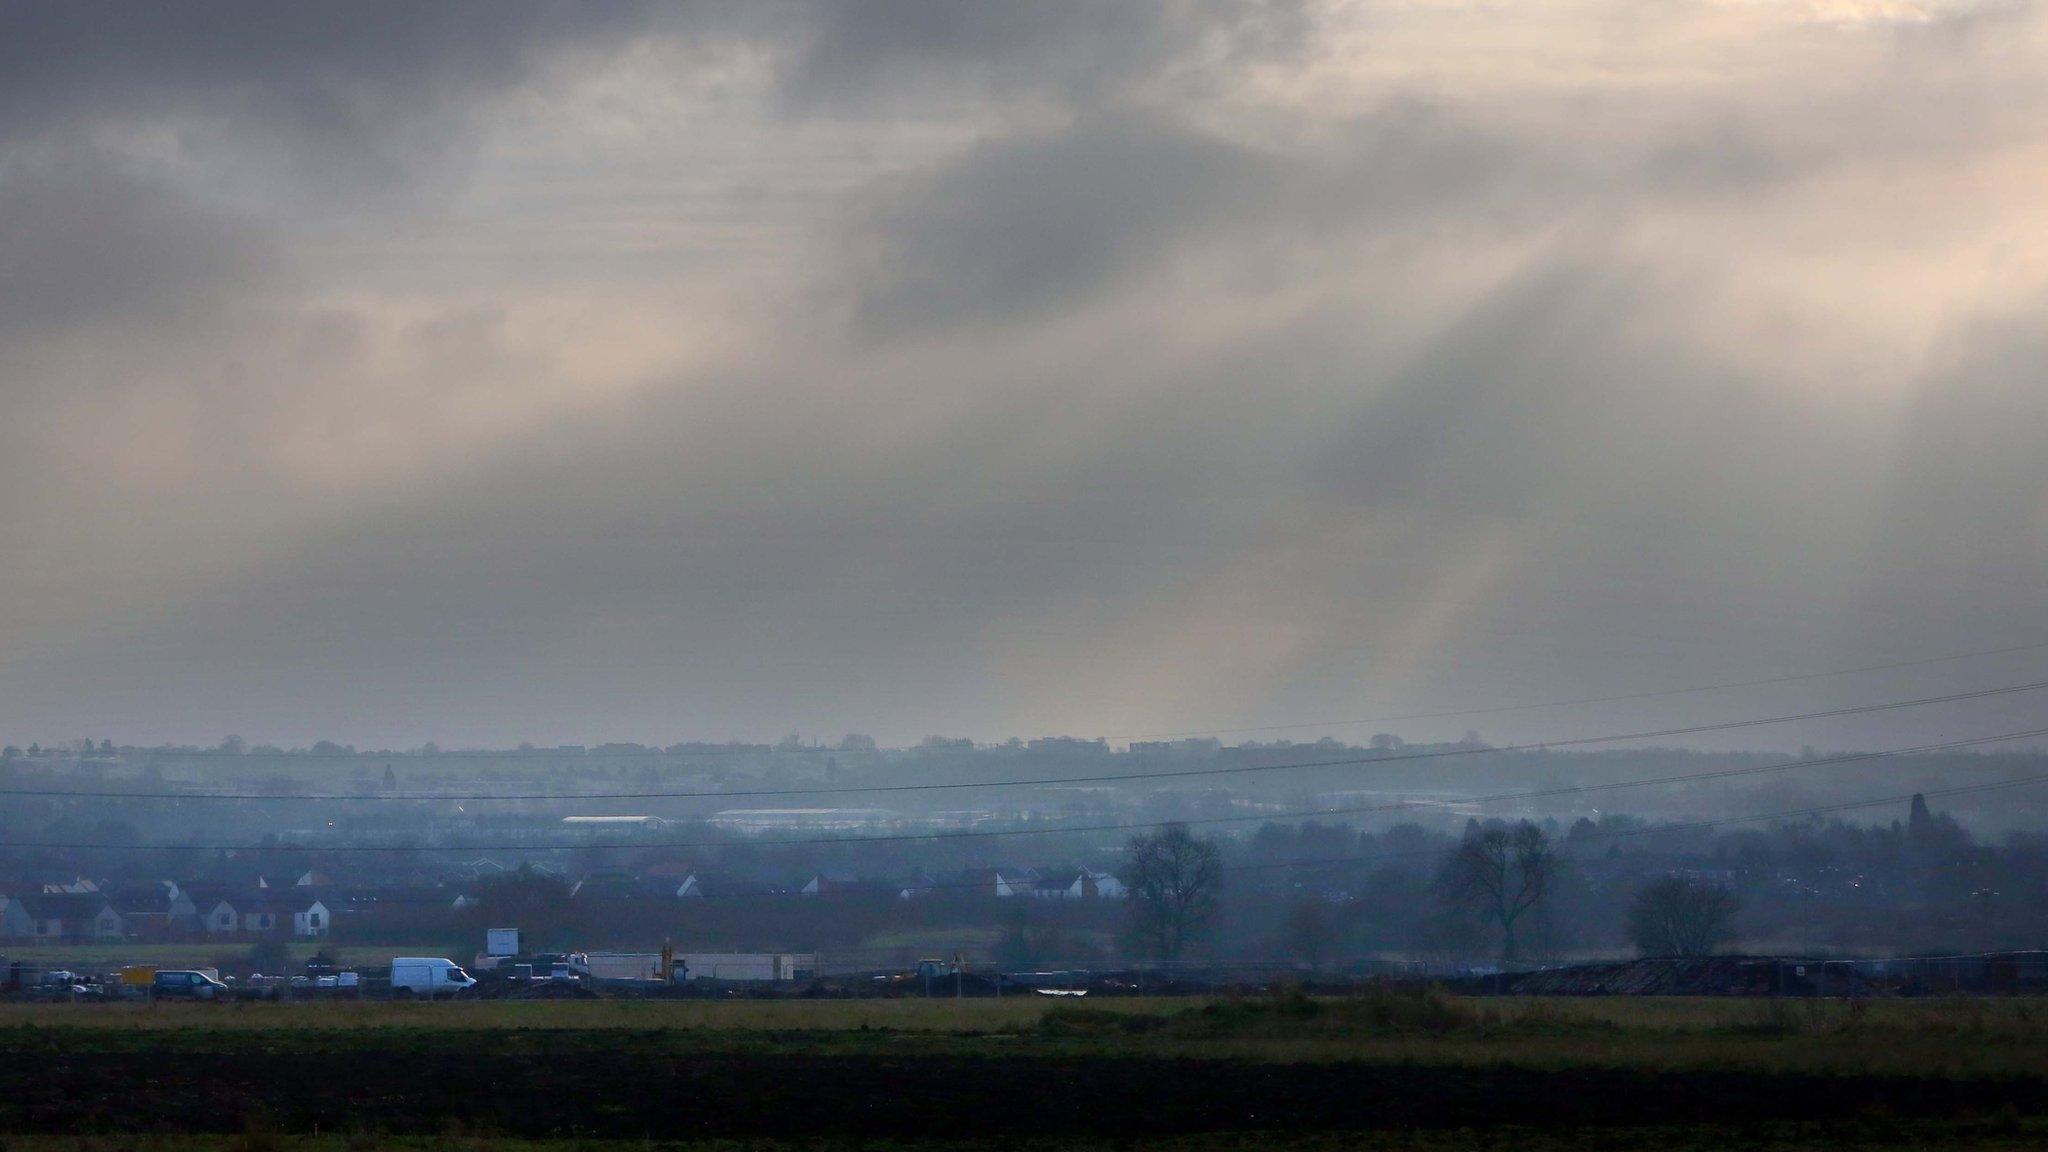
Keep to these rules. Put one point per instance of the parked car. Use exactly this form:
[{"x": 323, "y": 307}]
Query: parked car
[
  {"x": 431, "y": 977},
  {"x": 73, "y": 992},
  {"x": 185, "y": 984}
]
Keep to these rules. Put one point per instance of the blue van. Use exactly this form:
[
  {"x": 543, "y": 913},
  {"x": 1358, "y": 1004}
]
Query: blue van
[{"x": 186, "y": 984}]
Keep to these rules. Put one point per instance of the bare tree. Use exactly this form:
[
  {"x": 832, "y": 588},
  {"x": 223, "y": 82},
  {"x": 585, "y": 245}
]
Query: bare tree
[
  {"x": 1678, "y": 916},
  {"x": 1310, "y": 933},
  {"x": 1173, "y": 884},
  {"x": 1501, "y": 874}
]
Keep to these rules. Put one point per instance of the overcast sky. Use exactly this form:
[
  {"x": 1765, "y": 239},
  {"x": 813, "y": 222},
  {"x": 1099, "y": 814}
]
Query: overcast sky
[{"x": 493, "y": 371}]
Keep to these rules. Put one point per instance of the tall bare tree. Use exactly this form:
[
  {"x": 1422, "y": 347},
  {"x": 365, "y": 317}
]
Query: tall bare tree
[
  {"x": 1679, "y": 916},
  {"x": 1310, "y": 933},
  {"x": 1173, "y": 882},
  {"x": 1502, "y": 874}
]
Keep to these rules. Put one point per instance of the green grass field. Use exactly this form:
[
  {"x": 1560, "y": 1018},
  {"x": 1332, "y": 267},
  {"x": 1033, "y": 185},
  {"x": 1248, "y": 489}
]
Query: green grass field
[
  {"x": 1939, "y": 1038},
  {"x": 2010, "y": 1019}
]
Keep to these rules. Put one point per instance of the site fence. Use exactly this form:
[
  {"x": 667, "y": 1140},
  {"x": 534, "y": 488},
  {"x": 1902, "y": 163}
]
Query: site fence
[{"x": 1979, "y": 974}]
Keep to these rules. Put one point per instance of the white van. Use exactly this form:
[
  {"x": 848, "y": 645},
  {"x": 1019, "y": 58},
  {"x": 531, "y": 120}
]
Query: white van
[{"x": 428, "y": 976}]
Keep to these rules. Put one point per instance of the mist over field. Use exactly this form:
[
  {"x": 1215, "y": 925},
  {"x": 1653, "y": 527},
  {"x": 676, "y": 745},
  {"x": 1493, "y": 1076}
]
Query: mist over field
[{"x": 1333, "y": 856}]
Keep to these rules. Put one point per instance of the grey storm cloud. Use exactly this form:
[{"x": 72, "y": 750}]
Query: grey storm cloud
[
  {"x": 478, "y": 372},
  {"x": 90, "y": 243},
  {"x": 888, "y": 50},
  {"x": 1020, "y": 226},
  {"x": 338, "y": 76},
  {"x": 331, "y": 73}
]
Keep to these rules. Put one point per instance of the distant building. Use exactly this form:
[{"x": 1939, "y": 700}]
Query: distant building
[
  {"x": 144, "y": 909},
  {"x": 72, "y": 916},
  {"x": 916, "y": 887},
  {"x": 827, "y": 883},
  {"x": 312, "y": 921},
  {"x": 181, "y": 911},
  {"x": 1068, "y": 746},
  {"x": 613, "y": 823},
  {"x": 843, "y": 884},
  {"x": 217, "y": 915},
  {"x": 74, "y": 887},
  {"x": 747, "y": 966},
  {"x": 608, "y": 884},
  {"x": 1199, "y": 747},
  {"x": 816, "y": 819},
  {"x": 1019, "y": 883},
  {"x": 15, "y": 921},
  {"x": 1058, "y": 884},
  {"x": 264, "y": 914},
  {"x": 723, "y": 886},
  {"x": 1096, "y": 886}
]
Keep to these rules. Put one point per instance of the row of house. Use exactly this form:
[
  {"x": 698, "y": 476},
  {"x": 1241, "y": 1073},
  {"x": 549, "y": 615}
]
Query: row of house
[
  {"x": 161, "y": 911},
  {"x": 86, "y": 885},
  {"x": 81, "y": 909},
  {"x": 1006, "y": 883}
]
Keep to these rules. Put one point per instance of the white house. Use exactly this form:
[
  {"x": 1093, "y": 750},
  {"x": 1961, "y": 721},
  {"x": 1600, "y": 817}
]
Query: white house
[
  {"x": 312, "y": 920},
  {"x": 217, "y": 915},
  {"x": 71, "y": 916},
  {"x": 107, "y": 924},
  {"x": 830, "y": 883},
  {"x": 15, "y": 922},
  {"x": 75, "y": 887},
  {"x": 182, "y": 909},
  {"x": 262, "y": 915},
  {"x": 916, "y": 887},
  {"x": 1096, "y": 886},
  {"x": 1081, "y": 885}
]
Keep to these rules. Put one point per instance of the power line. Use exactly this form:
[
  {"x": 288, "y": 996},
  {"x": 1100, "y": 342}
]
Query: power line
[
  {"x": 1589, "y": 700},
  {"x": 785, "y": 750},
  {"x": 992, "y": 833},
  {"x": 1616, "y": 834},
  {"x": 1105, "y": 778},
  {"x": 1695, "y": 825},
  {"x": 598, "y": 753}
]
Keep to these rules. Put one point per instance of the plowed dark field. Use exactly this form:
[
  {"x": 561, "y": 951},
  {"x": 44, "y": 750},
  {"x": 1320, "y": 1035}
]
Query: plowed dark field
[
  {"x": 617, "y": 1093},
  {"x": 1281, "y": 1074}
]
